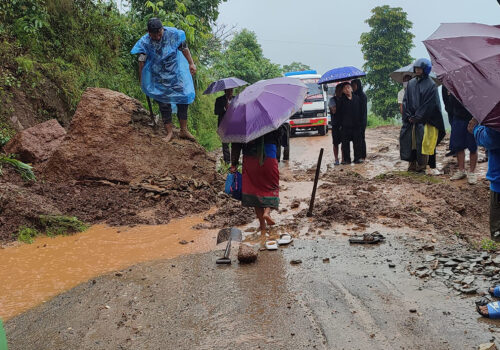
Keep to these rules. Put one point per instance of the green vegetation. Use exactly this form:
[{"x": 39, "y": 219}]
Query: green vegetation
[
  {"x": 25, "y": 170},
  {"x": 243, "y": 58},
  {"x": 65, "y": 46},
  {"x": 386, "y": 47},
  {"x": 54, "y": 225},
  {"x": 376, "y": 121},
  {"x": 27, "y": 234},
  {"x": 488, "y": 245},
  {"x": 295, "y": 67}
]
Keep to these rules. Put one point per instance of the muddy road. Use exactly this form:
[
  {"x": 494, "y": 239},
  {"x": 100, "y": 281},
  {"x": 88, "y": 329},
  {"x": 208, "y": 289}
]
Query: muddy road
[{"x": 415, "y": 291}]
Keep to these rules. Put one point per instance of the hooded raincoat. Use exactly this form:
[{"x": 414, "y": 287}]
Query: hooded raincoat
[
  {"x": 421, "y": 102},
  {"x": 165, "y": 76}
]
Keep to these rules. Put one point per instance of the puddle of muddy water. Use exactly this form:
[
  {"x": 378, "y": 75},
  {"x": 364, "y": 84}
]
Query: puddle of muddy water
[{"x": 33, "y": 273}]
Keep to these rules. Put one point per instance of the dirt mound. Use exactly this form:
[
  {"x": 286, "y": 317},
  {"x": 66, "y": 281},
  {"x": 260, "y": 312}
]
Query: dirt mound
[
  {"x": 37, "y": 143},
  {"x": 109, "y": 139},
  {"x": 229, "y": 213},
  {"x": 19, "y": 206},
  {"x": 112, "y": 167},
  {"x": 396, "y": 200}
]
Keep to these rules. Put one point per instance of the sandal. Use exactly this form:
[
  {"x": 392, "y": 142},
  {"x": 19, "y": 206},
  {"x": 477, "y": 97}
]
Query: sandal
[
  {"x": 271, "y": 245},
  {"x": 367, "y": 238},
  {"x": 495, "y": 292},
  {"x": 493, "y": 308},
  {"x": 285, "y": 239}
]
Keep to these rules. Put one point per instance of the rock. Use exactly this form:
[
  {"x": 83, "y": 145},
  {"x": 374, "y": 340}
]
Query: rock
[
  {"x": 468, "y": 279},
  {"x": 392, "y": 266},
  {"x": 428, "y": 246},
  {"x": 470, "y": 290},
  {"x": 430, "y": 258},
  {"x": 487, "y": 346},
  {"x": 247, "y": 254},
  {"x": 296, "y": 261},
  {"x": 109, "y": 138},
  {"x": 183, "y": 242},
  {"x": 422, "y": 273},
  {"x": 38, "y": 143},
  {"x": 451, "y": 263},
  {"x": 295, "y": 204},
  {"x": 413, "y": 311},
  {"x": 496, "y": 261},
  {"x": 484, "y": 255},
  {"x": 326, "y": 260}
]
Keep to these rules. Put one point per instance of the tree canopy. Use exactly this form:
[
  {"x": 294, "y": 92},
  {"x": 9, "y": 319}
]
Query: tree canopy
[
  {"x": 295, "y": 67},
  {"x": 244, "y": 59},
  {"x": 386, "y": 47}
]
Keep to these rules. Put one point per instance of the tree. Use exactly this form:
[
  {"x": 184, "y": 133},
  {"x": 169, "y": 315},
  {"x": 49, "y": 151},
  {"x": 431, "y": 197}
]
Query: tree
[
  {"x": 243, "y": 58},
  {"x": 207, "y": 11},
  {"x": 295, "y": 67},
  {"x": 386, "y": 47}
]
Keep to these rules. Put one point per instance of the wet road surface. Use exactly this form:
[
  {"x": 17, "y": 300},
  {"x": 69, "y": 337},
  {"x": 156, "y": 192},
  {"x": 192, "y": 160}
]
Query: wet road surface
[{"x": 352, "y": 301}]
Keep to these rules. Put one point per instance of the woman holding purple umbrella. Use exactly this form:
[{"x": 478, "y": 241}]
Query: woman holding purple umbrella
[{"x": 261, "y": 176}]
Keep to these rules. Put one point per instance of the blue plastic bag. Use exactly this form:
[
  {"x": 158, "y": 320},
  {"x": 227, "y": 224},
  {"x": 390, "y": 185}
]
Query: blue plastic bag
[
  {"x": 233, "y": 185},
  {"x": 165, "y": 76}
]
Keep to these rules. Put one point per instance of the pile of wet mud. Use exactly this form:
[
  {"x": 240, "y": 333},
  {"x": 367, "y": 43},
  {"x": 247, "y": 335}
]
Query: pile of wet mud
[
  {"x": 229, "y": 213},
  {"x": 401, "y": 200},
  {"x": 112, "y": 167}
]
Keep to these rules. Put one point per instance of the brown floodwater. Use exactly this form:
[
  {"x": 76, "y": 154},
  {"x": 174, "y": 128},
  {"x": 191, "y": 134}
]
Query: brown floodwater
[{"x": 33, "y": 273}]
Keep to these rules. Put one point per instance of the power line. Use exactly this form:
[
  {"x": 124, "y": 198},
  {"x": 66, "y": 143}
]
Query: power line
[{"x": 309, "y": 43}]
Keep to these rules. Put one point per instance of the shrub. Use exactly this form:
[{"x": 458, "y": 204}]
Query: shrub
[{"x": 27, "y": 234}]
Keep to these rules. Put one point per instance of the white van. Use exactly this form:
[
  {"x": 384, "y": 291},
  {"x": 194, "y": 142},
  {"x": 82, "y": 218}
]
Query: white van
[{"x": 314, "y": 112}]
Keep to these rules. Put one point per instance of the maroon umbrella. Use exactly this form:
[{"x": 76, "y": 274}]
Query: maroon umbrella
[{"x": 466, "y": 58}]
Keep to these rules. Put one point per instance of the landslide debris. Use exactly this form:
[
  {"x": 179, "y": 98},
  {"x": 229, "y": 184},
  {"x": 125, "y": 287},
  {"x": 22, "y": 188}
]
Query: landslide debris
[{"x": 113, "y": 168}]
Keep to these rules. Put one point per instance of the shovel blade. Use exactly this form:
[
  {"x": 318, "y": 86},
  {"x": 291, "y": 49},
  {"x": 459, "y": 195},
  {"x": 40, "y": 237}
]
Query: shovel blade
[{"x": 232, "y": 232}]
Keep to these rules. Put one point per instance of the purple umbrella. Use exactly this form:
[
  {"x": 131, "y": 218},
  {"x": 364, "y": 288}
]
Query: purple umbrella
[
  {"x": 223, "y": 84},
  {"x": 261, "y": 108},
  {"x": 466, "y": 58}
]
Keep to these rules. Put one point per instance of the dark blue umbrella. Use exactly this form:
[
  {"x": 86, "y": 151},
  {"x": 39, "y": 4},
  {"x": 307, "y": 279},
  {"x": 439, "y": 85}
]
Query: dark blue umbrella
[
  {"x": 223, "y": 84},
  {"x": 342, "y": 73}
]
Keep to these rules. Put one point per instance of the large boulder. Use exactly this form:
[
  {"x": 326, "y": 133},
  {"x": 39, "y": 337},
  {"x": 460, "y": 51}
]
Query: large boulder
[
  {"x": 38, "y": 143},
  {"x": 109, "y": 139}
]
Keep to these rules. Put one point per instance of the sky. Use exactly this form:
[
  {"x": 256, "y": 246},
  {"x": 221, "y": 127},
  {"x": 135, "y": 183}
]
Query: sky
[{"x": 324, "y": 33}]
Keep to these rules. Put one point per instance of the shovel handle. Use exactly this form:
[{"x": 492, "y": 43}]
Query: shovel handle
[
  {"x": 150, "y": 107},
  {"x": 228, "y": 248}
]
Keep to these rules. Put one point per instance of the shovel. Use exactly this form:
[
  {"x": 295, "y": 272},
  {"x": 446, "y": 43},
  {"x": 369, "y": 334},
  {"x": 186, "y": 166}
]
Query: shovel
[
  {"x": 229, "y": 235},
  {"x": 151, "y": 115}
]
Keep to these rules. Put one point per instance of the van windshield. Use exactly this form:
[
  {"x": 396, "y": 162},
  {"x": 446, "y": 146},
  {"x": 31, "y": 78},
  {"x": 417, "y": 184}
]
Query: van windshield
[{"x": 314, "y": 92}]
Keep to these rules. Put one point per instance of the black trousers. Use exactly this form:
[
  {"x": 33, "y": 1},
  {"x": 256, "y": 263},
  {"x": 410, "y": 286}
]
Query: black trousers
[
  {"x": 226, "y": 153},
  {"x": 355, "y": 136},
  {"x": 363, "y": 144}
]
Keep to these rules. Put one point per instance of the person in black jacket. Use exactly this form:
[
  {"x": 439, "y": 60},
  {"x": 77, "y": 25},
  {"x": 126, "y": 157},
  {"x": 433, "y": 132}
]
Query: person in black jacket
[
  {"x": 350, "y": 116},
  {"x": 421, "y": 106},
  {"x": 357, "y": 89},
  {"x": 221, "y": 106}
]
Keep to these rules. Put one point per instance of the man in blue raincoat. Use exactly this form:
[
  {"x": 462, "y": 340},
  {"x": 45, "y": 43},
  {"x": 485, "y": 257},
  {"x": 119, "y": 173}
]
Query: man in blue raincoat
[{"x": 165, "y": 72}]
